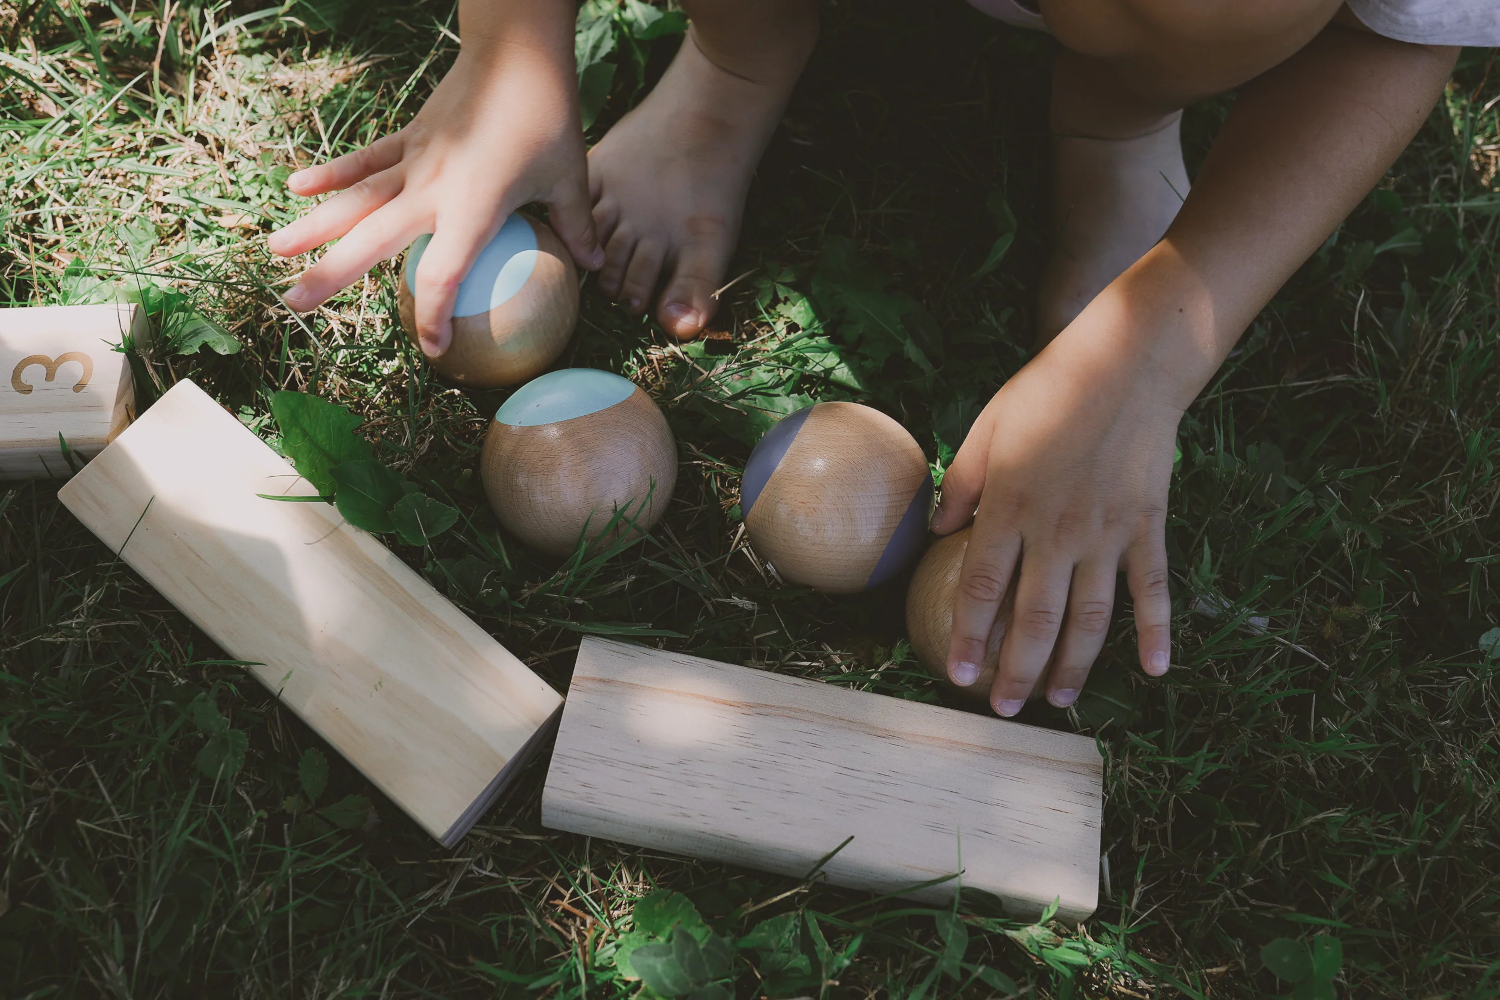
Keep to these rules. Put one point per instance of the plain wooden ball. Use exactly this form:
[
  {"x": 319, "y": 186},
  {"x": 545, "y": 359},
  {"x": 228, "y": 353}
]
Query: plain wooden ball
[
  {"x": 837, "y": 497},
  {"x": 929, "y": 619},
  {"x": 568, "y": 450},
  {"x": 515, "y": 311}
]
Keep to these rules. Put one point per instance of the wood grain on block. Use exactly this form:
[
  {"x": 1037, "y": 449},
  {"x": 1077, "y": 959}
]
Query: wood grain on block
[
  {"x": 731, "y": 764},
  {"x": 550, "y": 483},
  {"x": 425, "y": 703},
  {"x": 63, "y": 375},
  {"x": 527, "y": 328}
]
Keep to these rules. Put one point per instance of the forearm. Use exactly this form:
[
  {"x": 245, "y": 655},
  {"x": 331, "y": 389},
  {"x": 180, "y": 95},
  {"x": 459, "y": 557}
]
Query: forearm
[
  {"x": 543, "y": 28},
  {"x": 1303, "y": 144}
]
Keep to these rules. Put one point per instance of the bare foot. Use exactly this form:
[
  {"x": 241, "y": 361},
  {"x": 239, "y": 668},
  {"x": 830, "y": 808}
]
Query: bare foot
[
  {"x": 669, "y": 181},
  {"x": 1113, "y": 199}
]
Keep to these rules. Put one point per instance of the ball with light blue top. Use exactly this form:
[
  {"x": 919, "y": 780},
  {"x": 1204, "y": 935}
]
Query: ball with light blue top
[
  {"x": 516, "y": 309},
  {"x": 577, "y": 455}
]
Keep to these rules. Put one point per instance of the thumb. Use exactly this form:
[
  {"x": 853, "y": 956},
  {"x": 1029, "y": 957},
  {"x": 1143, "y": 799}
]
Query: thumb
[
  {"x": 572, "y": 217},
  {"x": 963, "y": 483}
]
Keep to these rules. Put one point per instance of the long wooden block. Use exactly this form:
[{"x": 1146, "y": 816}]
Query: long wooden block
[
  {"x": 63, "y": 376},
  {"x": 424, "y": 702},
  {"x": 731, "y": 764}
]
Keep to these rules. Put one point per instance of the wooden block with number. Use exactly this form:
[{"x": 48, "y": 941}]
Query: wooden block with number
[
  {"x": 63, "y": 375},
  {"x": 415, "y": 695},
  {"x": 727, "y": 763}
]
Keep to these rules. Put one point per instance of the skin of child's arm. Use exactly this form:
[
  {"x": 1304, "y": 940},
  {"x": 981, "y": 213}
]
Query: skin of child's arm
[
  {"x": 1069, "y": 464},
  {"x": 502, "y": 129}
]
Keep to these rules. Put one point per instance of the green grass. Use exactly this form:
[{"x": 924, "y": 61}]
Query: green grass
[{"x": 1326, "y": 760}]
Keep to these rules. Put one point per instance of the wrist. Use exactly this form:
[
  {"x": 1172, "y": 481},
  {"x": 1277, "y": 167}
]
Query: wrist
[
  {"x": 1156, "y": 327},
  {"x": 544, "y": 27}
]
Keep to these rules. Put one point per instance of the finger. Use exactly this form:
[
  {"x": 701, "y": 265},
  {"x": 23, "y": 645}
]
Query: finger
[
  {"x": 617, "y": 253},
  {"x": 1091, "y": 602},
  {"x": 337, "y": 215},
  {"x": 349, "y": 169},
  {"x": 963, "y": 482},
  {"x": 642, "y": 275},
  {"x": 1146, "y": 575},
  {"x": 1041, "y": 597},
  {"x": 378, "y": 237},
  {"x": 697, "y": 269},
  {"x": 444, "y": 265},
  {"x": 572, "y": 219},
  {"x": 989, "y": 561}
]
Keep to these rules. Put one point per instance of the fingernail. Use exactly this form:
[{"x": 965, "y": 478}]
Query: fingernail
[
  {"x": 964, "y": 674},
  {"x": 1159, "y": 663},
  {"x": 430, "y": 347},
  {"x": 632, "y": 304},
  {"x": 1010, "y": 706},
  {"x": 1063, "y": 697},
  {"x": 596, "y": 259},
  {"x": 295, "y": 296},
  {"x": 683, "y": 315}
]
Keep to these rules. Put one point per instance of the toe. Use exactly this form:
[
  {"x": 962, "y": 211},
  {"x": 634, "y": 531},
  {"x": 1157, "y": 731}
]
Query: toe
[
  {"x": 617, "y": 253},
  {"x": 606, "y": 218},
  {"x": 642, "y": 275},
  {"x": 688, "y": 302}
]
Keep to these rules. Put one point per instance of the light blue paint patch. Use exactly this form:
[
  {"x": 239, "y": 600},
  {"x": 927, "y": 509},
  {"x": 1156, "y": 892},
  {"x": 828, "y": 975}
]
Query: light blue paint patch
[
  {"x": 767, "y": 456},
  {"x": 504, "y": 265},
  {"x": 563, "y": 395}
]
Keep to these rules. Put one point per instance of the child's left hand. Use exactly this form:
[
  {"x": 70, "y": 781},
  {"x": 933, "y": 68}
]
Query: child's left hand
[{"x": 1068, "y": 466}]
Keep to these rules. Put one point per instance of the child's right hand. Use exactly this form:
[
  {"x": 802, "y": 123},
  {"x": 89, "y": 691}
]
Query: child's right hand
[{"x": 502, "y": 129}]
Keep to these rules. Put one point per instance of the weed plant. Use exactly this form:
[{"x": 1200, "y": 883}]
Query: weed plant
[{"x": 1308, "y": 802}]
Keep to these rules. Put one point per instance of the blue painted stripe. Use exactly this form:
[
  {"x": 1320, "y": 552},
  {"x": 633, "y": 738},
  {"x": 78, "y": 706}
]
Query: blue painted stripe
[
  {"x": 768, "y": 455},
  {"x": 907, "y": 539},
  {"x": 563, "y": 395}
]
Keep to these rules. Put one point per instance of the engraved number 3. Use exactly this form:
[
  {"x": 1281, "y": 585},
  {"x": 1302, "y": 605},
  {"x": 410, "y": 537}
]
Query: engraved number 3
[{"x": 50, "y": 366}]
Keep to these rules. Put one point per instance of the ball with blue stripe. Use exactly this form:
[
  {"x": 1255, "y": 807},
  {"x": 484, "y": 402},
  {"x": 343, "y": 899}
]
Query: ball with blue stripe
[
  {"x": 837, "y": 497},
  {"x": 515, "y": 311}
]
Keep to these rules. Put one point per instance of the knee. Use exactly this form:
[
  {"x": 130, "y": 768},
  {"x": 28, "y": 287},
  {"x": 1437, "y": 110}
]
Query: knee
[{"x": 1122, "y": 28}]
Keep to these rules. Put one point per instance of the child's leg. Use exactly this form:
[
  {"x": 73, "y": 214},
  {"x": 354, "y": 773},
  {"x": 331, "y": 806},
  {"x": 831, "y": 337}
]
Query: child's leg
[
  {"x": 1118, "y": 90},
  {"x": 669, "y": 181}
]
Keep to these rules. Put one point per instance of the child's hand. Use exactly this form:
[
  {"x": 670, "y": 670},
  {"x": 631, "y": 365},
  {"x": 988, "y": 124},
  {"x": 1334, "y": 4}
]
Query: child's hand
[
  {"x": 1069, "y": 467},
  {"x": 501, "y": 130}
]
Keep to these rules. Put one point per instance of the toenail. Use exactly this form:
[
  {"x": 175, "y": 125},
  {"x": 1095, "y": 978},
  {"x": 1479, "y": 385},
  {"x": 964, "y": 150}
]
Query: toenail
[
  {"x": 683, "y": 315},
  {"x": 1063, "y": 697},
  {"x": 964, "y": 674},
  {"x": 1010, "y": 706}
]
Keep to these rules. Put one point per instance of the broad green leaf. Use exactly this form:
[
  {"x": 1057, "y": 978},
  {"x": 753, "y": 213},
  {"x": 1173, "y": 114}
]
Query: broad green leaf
[
  {"x": 718, "y": 956},
  {"x": 1489, "y": 644},
  {"x": 419, "y": 518},
  {"x": 658, "y": 968},
  {"x": 205, "y": 715},
  {"x": 996, "y": 980},
  {"x": 366, "y": 493},
  {"x": 627, "y": 945},
  {"x": 1327, "y": 956},
  {"x": 713, "y": 991},
  {"x": 593, "y": 90},
  {"x": 317, "y": 435},
  {"x": 656, "y": 913},
  {"x": 323, "y": 15},
  {"x": 348, "y": 813},
  {"x": 1287, "y": 959},
  {"x": 689, "y": 957},
  {"x": 312, "y": 772},
  {"x": 224, "y": 754},
  {"x": 187, "y": 333}
]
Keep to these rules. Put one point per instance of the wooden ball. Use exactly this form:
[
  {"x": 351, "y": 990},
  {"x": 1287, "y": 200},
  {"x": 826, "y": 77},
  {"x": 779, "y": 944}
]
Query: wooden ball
[
  {"x": 569, "y": 449},
  {"x": 516, "y": 308},
  {"x": 837, "y": 497},
  {"x": 929, "y": 619}
]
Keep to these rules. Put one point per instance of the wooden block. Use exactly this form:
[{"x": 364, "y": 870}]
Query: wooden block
[
  {"x": 732, "y": 764},
  {"x": 63, "y": 376},
  {"x": 424, "y": 702}
]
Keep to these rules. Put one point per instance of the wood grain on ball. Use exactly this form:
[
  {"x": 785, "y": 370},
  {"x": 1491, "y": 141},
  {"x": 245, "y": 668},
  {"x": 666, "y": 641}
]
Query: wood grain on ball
[
  {"x": 518, "y": 338},
  {"x": 829, "y": 509},
  {"x": 547, "y": 482}
]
